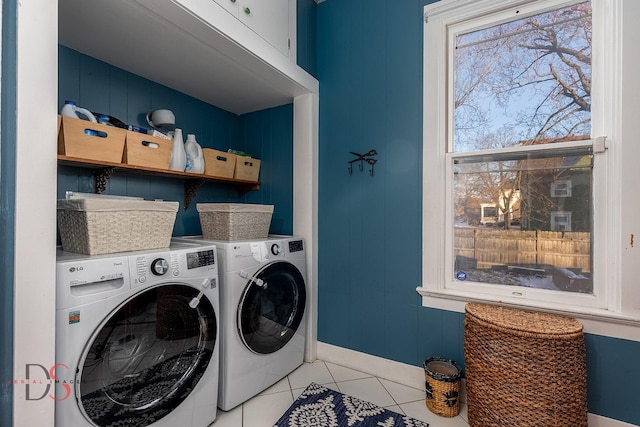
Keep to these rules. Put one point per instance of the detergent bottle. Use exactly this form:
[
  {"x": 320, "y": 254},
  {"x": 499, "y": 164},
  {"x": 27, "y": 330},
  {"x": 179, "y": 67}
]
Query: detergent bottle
[
  {"x": 70, "y": 109},
  {"x": 195, "y": 158}
]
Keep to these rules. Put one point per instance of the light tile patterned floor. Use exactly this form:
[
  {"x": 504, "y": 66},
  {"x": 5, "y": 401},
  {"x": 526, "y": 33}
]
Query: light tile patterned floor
[{"x": 265, "y": 409}]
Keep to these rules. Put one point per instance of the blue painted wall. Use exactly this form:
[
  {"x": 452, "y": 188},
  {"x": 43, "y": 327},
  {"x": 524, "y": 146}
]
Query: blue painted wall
[
  {"x": 7, "y": 210},
  {"x": 370, "y": 70},
  {"x": 307, "y": 19},
  {"x": 267, "y": 134}
]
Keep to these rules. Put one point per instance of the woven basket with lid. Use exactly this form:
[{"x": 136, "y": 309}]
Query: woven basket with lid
[{"x": 523, "y": 368}]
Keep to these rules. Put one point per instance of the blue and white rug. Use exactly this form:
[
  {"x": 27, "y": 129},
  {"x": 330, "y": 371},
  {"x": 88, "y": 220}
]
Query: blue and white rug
[{"x": 319, "y": 406}]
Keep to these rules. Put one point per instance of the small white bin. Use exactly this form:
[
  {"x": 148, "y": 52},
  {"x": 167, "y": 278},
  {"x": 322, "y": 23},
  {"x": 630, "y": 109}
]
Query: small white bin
[
  {"x": 95, "y": 226},
  {"x": 234, "y": 221}
]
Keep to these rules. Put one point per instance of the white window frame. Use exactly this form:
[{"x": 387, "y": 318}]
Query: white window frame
[{"x": 437, "y": 288}]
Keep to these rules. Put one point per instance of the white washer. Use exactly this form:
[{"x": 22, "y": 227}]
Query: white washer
[
  {"x": 137, "y": 338},
  {"x": 262, "y": 306}
]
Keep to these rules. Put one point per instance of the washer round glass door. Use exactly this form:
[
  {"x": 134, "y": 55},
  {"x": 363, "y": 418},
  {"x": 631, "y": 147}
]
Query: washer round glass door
[
  {"x": 146, "y": 357},
  {"x": 271, "y": 307}
]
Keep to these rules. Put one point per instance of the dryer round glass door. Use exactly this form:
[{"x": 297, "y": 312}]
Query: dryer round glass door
[
  {"x": 146, "y": 357},
  {"x": 271, "y": 307}
]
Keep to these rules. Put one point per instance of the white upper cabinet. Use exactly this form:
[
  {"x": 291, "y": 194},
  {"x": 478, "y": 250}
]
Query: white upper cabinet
[
  {"x": 270, "y": 19},
  {"x": 240, "y": 63},
  {"x": 231, "y": 6}
]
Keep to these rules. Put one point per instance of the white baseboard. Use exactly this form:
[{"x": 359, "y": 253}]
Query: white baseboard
[
  {"x": 409, "y": 375},
  {"x": 398, "y": 372},
  {"x": 599, "y": 421}
]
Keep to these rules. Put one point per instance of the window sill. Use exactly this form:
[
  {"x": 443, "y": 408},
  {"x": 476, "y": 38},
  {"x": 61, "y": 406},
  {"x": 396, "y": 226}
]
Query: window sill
[{"x": 595, "y": 321}]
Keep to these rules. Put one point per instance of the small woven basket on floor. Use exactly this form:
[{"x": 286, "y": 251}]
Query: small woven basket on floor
[
  {"x": 524, "y": 369},
  {"x": 442, "y": 383}
]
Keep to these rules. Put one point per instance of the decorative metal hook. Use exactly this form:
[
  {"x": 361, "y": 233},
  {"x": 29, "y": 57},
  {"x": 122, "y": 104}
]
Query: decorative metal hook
[
  {"x": 371, "y": 163},
  {"x": 366, "y": 157}
]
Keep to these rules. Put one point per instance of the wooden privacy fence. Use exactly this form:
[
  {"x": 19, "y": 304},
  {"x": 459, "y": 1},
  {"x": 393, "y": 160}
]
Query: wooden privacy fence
[{"x": 569, "y": 249}]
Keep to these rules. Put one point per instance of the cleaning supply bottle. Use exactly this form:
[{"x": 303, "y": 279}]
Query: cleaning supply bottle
[
  {"x": 195, "y": 158},
  {"x": 178, "y": 155},
  {"x": 70, "y": 109}
]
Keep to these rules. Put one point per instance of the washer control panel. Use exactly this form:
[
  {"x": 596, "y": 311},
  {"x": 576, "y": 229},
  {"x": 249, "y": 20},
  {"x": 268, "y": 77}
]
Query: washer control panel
[
  {"x": 159, "y": 266},
  {"x": 153, "y": 266},
  {"x": 201, "y": 258},
  {"x": 174, "y": 264}
]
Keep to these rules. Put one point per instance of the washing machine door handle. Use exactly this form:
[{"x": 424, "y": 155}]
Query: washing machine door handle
[
  {"x": 196, "y": 300},
  {"x": 253, "y": 280},
  {"x": 258, "y": 281}
]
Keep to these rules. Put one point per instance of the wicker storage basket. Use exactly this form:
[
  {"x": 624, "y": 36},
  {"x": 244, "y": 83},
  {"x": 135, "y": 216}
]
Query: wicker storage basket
[
  {"x": 234, "y": 221},
  {"x": 99, "y": 226},
  {"x": 442, "y": 383},
  {"x": 524, "y": 369}
]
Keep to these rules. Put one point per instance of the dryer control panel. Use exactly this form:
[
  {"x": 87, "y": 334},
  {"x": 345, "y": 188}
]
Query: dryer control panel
[{"x": 264, "y": 251}]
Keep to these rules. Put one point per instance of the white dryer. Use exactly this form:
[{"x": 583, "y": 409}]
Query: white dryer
[
  {"x": 263, "y": 296},
  {"x": 137, "y": 338}
]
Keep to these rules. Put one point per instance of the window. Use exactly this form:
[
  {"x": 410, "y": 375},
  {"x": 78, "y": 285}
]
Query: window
[
  {"x": 517, "y": 122},
  {"x": 561, "y": 188},
  {"x": 561, "y": 221}
]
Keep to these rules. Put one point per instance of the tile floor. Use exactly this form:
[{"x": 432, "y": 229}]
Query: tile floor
[{"x": 264, "y": 409}]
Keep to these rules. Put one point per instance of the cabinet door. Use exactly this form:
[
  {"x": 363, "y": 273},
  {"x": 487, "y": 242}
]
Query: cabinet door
[
  {"x": 270, "y": 19},
  {"x": 230, "y": 5}
]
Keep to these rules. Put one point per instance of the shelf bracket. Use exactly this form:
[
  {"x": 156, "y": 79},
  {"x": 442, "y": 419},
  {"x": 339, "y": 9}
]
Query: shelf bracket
[
  {"x": 191, "y": 187},
  {"x": 101, "y": 177}
]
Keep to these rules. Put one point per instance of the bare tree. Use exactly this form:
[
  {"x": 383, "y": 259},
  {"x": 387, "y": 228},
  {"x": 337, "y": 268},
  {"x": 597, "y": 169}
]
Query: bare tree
[
  {"x": 562, "y": 56},
  {"x": 532, "y": 75},
  {"x": 523, "y": 82}
]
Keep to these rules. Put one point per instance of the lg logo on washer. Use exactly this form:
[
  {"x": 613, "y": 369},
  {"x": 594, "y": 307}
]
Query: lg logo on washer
[
  {"x": 39, "y": 387},
  {"x": 73, "y": 269}
]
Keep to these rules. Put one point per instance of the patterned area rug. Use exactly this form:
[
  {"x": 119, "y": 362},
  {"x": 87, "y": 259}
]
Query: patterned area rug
[{"x": 319, "y": 406}]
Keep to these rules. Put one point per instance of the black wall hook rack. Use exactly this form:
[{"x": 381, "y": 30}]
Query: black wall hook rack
[{"x": 362, "y": 158}]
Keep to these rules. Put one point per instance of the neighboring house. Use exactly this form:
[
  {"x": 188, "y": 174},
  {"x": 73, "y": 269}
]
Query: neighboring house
[
  {"x": 496, "y": 213},
  {"x": 558, "y": 197}
]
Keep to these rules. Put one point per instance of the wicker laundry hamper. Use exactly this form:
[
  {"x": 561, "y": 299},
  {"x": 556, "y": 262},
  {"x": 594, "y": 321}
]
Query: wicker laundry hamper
[
  {"x": 442, "y": 384},
  {"x": 524, "y": 369}
]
